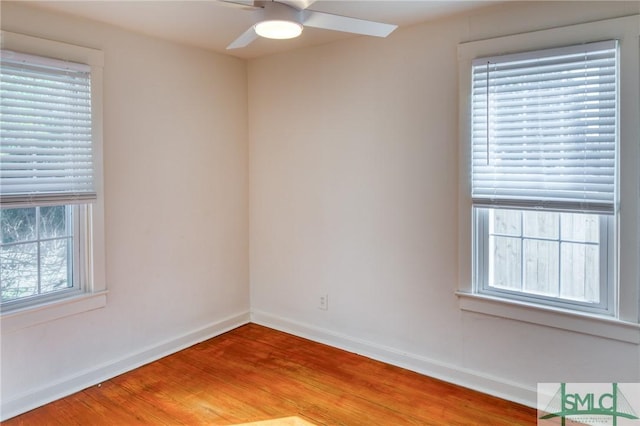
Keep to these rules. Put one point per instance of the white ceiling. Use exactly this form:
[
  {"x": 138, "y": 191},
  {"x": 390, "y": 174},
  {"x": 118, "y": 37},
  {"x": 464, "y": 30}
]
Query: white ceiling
[{"x": 212, "y": 25}]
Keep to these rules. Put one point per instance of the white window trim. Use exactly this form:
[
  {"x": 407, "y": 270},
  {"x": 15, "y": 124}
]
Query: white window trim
[
  {"x": 625, "y": 325},
  {"x": 580, "y": 322},
  {"x": 94, "y": 295}
]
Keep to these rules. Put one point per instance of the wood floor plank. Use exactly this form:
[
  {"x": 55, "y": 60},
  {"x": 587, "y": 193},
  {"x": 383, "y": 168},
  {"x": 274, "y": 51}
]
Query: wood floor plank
[
  {"x": 300, "y": 389},
  {"x": 254, "y": 374},
  {"x": 396, "y": 390},
  {"x": 226, "y": 391}
]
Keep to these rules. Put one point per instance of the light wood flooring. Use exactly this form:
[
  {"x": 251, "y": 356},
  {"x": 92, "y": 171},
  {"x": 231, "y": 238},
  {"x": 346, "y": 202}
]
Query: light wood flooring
[{"x": 256, "y": 374}]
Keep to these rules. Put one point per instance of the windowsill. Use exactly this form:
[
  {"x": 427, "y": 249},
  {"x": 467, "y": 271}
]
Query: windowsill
[
  {"x": 28, "y": 317},
  {"x": 595, "y": 325}
]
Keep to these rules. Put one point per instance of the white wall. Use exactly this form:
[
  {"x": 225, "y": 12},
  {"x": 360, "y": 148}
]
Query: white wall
[
  {"x": 353, "y": 193},
  {"x": 176, "y": 212}
]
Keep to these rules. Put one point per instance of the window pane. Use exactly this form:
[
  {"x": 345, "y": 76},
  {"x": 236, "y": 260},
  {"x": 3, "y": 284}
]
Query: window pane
[
  {"x": 54, "y": 265},
  {"x": 19, "y": 270},
  {"x": 580, "y": 272},
  {"x": 53, "y": 222},
  {"x": 18, "y": 225},
  {"x": 542, "y": 267},
  {"x": 557, "y": 256},
  {"x": 541, "y": 224},
  {"x": 44, "y": 262},
  {"x": 580, "y": 227},
  {"x": 505, "y": 262},
  {"x": 505, "y": 222}
]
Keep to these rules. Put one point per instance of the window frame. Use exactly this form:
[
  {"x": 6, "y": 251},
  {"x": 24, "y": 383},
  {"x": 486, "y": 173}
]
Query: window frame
[
  {"x": 91, "y": 272},
  {"x": 623, "y": 324}
]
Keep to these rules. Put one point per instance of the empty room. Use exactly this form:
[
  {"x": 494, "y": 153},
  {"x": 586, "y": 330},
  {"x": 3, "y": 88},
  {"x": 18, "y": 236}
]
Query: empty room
[{"x": 320, "y": 212}]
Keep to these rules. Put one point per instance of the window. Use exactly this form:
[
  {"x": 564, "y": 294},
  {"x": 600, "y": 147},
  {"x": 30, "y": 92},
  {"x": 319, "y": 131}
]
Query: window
[
  {"x": 549, "y": 210},
  {"x": 50, "y": 174},
  {"x": 37, "y": 254},
  {"x": 544, "y": 143}
]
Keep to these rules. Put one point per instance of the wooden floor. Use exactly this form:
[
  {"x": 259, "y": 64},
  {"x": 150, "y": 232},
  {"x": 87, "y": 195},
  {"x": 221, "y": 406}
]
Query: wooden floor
[{"x": 254, "y": 374}]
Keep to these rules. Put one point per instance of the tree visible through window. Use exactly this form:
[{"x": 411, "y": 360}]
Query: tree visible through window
[{"x": 36, "y": 255}]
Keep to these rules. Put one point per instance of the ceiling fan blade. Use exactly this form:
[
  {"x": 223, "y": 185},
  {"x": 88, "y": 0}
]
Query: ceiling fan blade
[
  {"x": 343, "y": 23},
  {"x": 242, "y": 41}
]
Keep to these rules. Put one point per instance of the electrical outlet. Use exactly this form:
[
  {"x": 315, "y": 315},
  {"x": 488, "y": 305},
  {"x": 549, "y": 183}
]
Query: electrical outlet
[{"x": 324, "y": 302}]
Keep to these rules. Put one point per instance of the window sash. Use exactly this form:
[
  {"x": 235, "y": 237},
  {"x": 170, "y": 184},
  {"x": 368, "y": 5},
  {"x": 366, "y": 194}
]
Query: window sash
[
  {"x": 544, "y": 129},
  {"x": 605, "y": 278},
  {"x": 76, "y": 262},
  {"x": 46, "y": 131}
]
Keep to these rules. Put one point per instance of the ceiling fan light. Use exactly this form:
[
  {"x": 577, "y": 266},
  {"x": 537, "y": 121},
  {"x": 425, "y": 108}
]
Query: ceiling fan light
[{"x": 278, "y": 29}]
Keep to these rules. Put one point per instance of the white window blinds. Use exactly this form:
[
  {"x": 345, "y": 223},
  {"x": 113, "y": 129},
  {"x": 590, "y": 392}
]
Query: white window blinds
[
  {"x": 45, "y": 131},
  {"x": 544, "y": 129}
]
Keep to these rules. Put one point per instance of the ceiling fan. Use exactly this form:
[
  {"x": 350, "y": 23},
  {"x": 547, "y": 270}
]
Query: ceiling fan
[{"x": 285, "y": 19}]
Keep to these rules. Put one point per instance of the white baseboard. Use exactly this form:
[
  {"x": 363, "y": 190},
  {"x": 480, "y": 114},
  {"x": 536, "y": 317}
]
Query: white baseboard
[
  {"x": 90, "y": 377},
  {"x": 447, "y": 372},
  {"x": 101, "y": 373}
]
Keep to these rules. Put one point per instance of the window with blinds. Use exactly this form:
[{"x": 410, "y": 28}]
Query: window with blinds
[
  {"x": 46, "y": 178},
  {"x": 544, "y": 129},
  {"x": 543, "y": 175},
  {"x": 46, "y": 152}
]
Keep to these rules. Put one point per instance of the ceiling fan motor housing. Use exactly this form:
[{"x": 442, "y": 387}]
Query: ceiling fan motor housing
[{"x": 275, "y": 11}]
